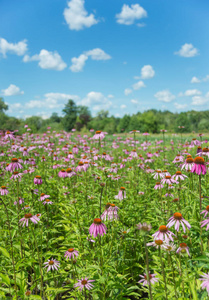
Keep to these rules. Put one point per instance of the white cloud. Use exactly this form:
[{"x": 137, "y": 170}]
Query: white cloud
[
  {"x": 164, "y": 96},
  {"x": 138, "y": 85},
  {"x": 137, "y": 77},
  {"x": 129, "y": 14},
  {"x": 12, "y": 90},
  {"x": 127, "y": 92},
  {"x": 180, "y": 106},
  {"x": 147, "y": 72},
  {"x": 123, "y": 106},
  {"x": 19, "y": 48},
  {"x": 187, "y": 50},
  {"x": 206, "y": 78},
  {"x": 77, "y": 17},
  {"x": 78, "y": 63},
  {"x": 134, "y": 101},
  {"x": 14, "y": 107},
  {"x": 195, "y": 80},
  {"x": 110, "y": 96},
  {"x": 194, "y": 92},
  {"x": 51, "y": 100},
  {"x": 47, "y": 60},
  {"x": 141, "y": 24},
  {"x": 199, "y": 100},
  {"x": 96, "y": 100}
]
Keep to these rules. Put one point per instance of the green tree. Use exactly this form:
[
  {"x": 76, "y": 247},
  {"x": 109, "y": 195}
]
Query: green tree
[
  {"x": 70, "y": 114},
  {"x": 3, "y": 105}
]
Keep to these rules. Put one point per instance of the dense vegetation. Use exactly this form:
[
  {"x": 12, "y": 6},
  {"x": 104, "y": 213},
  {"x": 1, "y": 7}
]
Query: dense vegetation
[{"x": 80, "y": 118}]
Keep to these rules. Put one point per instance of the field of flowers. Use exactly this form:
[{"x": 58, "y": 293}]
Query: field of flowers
[{"x": 104, "y": 217}]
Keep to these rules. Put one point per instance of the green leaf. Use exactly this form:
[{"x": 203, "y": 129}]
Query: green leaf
[
  {"x": 4, "y": 252},
  {"x": 5, "y": 279}
]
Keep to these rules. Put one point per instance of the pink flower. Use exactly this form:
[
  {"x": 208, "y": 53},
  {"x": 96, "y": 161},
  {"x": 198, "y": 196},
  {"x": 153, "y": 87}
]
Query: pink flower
[
  {"x": 52, "y": 264},
  {"x": 179, "y": 175},
  {"x": 13, "y": 165},
  {"x": 99, "y": 135},
  {"x": 188, "y": 164},
  {"x": 62, "y": 173},
  {"x": 183, "y": 248},
  {"x": 144, "y": 280},
  {"x": 47, "y": 201},
  {"x": 163, "y": 234},
  {"x": 168, "y": 180},
  {"x": 122, "y": 194},
  {"x": 97, "y": 228},
  {"x": 9, "y": 135},
  {"x": 177, "y": 219},
  {"x": 199, "y": 166},
  {"x": 111, "y": 212},
  {"x": 71, "y": 253},
  {"x": 84, "y": 283},
  {"x": 158, "y": 186},
  {"x": 44, "y": 196},
  {"x": 38, "y": 180},
  {"x": 205, "y": 283},
  {"x": 204, "y": 223},
  {"x": 4, "y": 190},
  {"x": 28, "y": 217},
  {"x": 206, "y": 211}
]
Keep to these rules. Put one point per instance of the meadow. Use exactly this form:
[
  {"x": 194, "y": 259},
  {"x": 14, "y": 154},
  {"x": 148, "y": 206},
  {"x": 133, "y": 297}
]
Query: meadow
[{"x": 103, "y": 217}]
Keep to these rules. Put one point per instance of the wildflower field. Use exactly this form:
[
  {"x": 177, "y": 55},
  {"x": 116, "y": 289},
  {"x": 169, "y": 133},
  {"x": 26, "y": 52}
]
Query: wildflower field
[{"x": 104, "y": 217}]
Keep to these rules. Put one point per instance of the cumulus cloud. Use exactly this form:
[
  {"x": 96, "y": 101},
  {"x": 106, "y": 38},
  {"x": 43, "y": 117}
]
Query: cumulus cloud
[
  {"x": 164, "y": 96},
  {"x": 129, "y": 14},
  {"x": 180, "y": 106},
  {"x": 19, "y": 48},
  {"x": 134, "y": 101},
  {"x": 47, "y": 60},
  {"x": 187, "y": 50},
  {"x": 199, "y": 100},
  {"x": 195, "y": 80},
  {"x": 206, "y": 78},
  {"x": 127, "y": 92},
  {"x": 15, "y": 107},
  {"x": 194, "y": 92},
  {"x": 147, "y": 72},
  {"x": 12, "y": 90},
  {"x": 138, "y": 85},
  {"x": 77, "y": 17},
  {"x": 51, "y": 101},
  {"x": 123, "y": 106},
  {"x": 78, "y": 63},
  {"x": 96, "y": 100}
]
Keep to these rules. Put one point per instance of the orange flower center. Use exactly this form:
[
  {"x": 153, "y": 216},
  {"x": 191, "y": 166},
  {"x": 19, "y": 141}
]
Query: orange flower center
[
  {"x": 84, "y": 282},
  {"x": 70, "y": 250},
  {"x": 183, "y": 245},
  {"x": 124, "y": 232},
  {"x": 158, "y": 242},
  {"x": 163, "y": 228},
  {"x": 63, "y": 170},
  {"x": 177, "y": 216},
  {"x": 3, "y": 187},
  {"x": 51, "y": 262},
  {"x": 69, "y": 170},
  {"x": 80, "y": 163},
  {"x": 42, "y": 194},
  {"x": 122, "y": 188},
  {"x": 28, "y": 216},
  {"x": 199, "y": 160},
  {"x": 207, "y": 207},
  {"x": 97, "y": 221},
  {"x": 14, "y": 160},
  {"x": 189, "y": 160},
  {"x": 98, "y": 132},
  {"x": 38, "y": 176},
  {"x": 168, "y": 177},
  {"x": 178, "y": 173},
  {"x": 150, "y": 276}
]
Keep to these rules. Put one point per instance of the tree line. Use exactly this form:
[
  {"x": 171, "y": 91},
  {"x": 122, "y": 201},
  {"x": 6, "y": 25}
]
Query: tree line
[{"x": 80, "y": 118}]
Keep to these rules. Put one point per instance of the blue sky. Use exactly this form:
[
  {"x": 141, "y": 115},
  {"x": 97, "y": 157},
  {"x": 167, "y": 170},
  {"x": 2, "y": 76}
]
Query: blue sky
[{"x": 121, "y": 56}]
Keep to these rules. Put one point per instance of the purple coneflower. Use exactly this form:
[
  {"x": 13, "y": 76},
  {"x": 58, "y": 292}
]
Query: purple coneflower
[
  {"x": 163, "y": 234},
  {"x": 97, "y": 228},
  {"x": 204, "y": 223},
  {"x": 179, "y": 175},
  {"x": 38, "y": 180},
  {"x": 177, "y": 219},
  {"x": 71, "y": 253},
  {"x": 99, "y": 135},
  {"x": 199, "y": 166},
  {"x": 144, "y": 280},
  {"x": 122, "y": 194},
  {"x": 52, "y": 264},
  {"x": 62, "y": 173},
  {"x": 206, "y": 211},
  {"x": 156, "y": 243},
  {"x": 183, "y": 248},
  {"x": 4, "y": 190},
  {"x": 111, "y": 212},
  {"x": 158, "y": 186},
  {"x": 13, "y": 165},
  {"x": 205, "y": 283},
  {"x": 188, "y": 164},
  {"x": 84, "y": 283},
  {"x": 168, "y": 180},
  {"x": 28, "y": 217},
  {"x": 44, "y": 196},
  {"x": 47, "y": 201}
]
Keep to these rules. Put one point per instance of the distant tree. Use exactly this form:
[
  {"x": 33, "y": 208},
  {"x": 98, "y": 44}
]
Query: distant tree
[
  {"x": 55, "y": 118},
  {"x": 124, "y": 123},
  {"x": 84, "y": 115},
  {"x": 3, "y": 105},
  {"x": 70, "y": 114}
]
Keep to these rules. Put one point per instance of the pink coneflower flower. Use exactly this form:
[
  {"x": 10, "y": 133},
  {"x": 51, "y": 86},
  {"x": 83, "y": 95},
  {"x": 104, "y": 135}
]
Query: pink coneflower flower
[
  {"x": 163, "y": 234},
  {"x": 13, "y": 165},
  {"x": 206, "y": 211},
  {"x": 4, "y": 190},
  {"x": 99, "y": 135},
  {"x": 84, "y": 283},
  {"x": 97, "y": 228},
  {"x": 195, "y": 142},
  {"x": 169, "y": 247},
  {"x": 122, "y": 194},
  {"x": 145, "y": 133},
  {"x": 199, "y": 166},
  {"x": 62, "y": 173},
  {"x": 38, "y": 180},
  {"x": 20, "y": 201},
  {"x": 28, "y": 217},
  {"x": 47, "y": 201},
  {"x": 140, "y": 193},
  {"x": 183, "y": 248},
  {"x": 204, "y": 223},
  {"x": 179, "y": 176},
  {"x": 168, "y": 180},
  {"x": 52, "y": 264},
  {"x": 205, "y": 283},
  {"x": 158, "y": 186},
  {"x": 81, "y": 167},
  {"x": 144, "y": 226},
  {"x": 111, "y": 212},
  {"x": 152, "y": 279},
  {"x": 188, "y": 164},
  {"x": 44, "y": 196},
  {"x": 156, "y": 243},
  {"x": 177, "y": 219},
  {"x": 9, "y": 135},
  {"x": 157, "y": 174},
  {"x": 26, "y": 207},
  {"x": 71, "y": 253}
]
